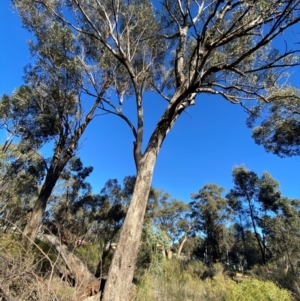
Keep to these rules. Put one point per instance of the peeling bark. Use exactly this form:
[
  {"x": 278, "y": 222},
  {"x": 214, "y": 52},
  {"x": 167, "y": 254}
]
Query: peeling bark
[
  {"x": 121, "y": 271},
  {"x": 31, "y": 230}
]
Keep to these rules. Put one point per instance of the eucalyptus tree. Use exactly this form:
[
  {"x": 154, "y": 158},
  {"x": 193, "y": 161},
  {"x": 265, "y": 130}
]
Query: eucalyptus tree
[
  {"x": 170, "y": 216},
  {"x": 276, "y": 123},
  {"x": 254, "y": 199},
  {"x": 177, "y": 49},
  {"x": 71, "y": 187},
  {"x": 52, "y": 107},
  {"x": 101, "y": 215},
  {"x": 283, "y": 233},
  {"x": 211, "y": 212},
  {"x": 21, "y": 173},
  {"x": 244, "y": 249}
]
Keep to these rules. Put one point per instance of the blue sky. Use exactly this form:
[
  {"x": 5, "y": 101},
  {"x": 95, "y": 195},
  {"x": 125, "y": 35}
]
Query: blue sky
[{"x": 203, "y": 147}]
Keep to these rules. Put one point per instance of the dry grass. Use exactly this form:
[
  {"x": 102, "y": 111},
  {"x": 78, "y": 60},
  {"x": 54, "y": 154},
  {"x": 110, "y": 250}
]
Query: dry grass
[
  {"x": 34, "y": 275},
  {"x": 179, "y": 281},
  {"x": 31, "y": 274}
]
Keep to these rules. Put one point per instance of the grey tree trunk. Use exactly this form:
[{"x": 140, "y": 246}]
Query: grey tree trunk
[
  {"x": 263, "y": 255},
  {"x": 59, "y": 160},
  {"x": 185, "y": 238},
  {"x": 31, "y": 229},
  {"x": 121, "y": 271},
  {"x": 77, "y": 268}
]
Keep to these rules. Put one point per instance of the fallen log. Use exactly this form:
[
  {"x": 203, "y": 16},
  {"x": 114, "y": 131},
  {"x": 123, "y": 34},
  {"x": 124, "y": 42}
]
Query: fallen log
[{"x": 78, "y": 270}]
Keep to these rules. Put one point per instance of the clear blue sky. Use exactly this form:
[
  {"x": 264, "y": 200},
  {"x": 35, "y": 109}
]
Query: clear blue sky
[{"x": 202, "y": 148}]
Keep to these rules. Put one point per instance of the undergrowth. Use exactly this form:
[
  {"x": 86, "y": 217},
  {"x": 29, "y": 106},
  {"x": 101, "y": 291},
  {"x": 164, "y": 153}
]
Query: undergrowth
[
  {"x": 193, "y": 281},
  {"x": 35, "y": 274}
]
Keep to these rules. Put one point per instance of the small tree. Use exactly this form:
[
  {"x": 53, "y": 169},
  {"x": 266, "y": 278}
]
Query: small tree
[{"x": 179, "y": 49}]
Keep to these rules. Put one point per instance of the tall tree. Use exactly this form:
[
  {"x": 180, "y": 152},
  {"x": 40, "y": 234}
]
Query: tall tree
[
  {"x": 71, "y": 188},
  {"x": 20, "y": 176},
  {"x": 168, "y": 213},
  {"x": 283, "y": 233},
  {"x": 244, "y": 250},
  {"x": 179, "y": 49},
  {"x": 210, "y": 213},
  {"x": 51, "y": 106},
  {"x": 252, "y": 198},
  {"x": 170, "y": 216}
]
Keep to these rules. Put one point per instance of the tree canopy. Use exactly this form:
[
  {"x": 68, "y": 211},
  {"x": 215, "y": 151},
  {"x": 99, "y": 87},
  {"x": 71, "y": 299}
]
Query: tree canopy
[
  {"x": 276, "y": 123},
  {"x": 179, "y": 49}
]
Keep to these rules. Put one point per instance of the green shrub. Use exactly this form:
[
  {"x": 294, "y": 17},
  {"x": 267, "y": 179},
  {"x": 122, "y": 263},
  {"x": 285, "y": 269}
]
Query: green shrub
[
  {"x": 90, "y": 255},
  {"x": 173, "y": 280},
  {"x": 256, "y": 290}
]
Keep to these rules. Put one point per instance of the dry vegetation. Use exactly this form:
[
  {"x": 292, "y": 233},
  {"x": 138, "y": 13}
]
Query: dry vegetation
[{"x": 41, "y": 274}]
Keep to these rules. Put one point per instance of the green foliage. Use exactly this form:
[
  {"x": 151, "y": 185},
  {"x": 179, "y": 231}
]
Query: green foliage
[
  {"x": 254, "y": 199},
  {"x": 152, "y": 249},
  {"x": 90, "y": 254},
  {"x": 278, "y": 273},
  {"x": 253, "y": 290},
  {"x": 283, "y": 236},
  {"x": 21, "y": 173},
  {"x": 168, "y": 214},
  {"x": 48, "y": 108},
  {"x": 276, "y": 123},
  {"x": 180, "y": 50},
  {"x": 209, "y": 213},
  {"x": 180, "y": 281}
]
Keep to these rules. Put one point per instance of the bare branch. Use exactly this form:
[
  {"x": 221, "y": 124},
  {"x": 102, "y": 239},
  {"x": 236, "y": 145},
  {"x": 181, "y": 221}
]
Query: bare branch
[
  {"x": 183, "y": 15},
  {"x": 122, "y": 116},
  {"x": 159, "y": 91},
  {"x": 199, "y": 12}
]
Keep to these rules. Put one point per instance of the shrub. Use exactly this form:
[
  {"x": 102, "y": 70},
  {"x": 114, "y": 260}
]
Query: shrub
[
  {"x": 254, "y": 290},
  {"x": 179, "y": 281}
]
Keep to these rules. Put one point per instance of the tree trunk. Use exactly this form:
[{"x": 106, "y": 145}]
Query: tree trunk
[
  {"x": 59, "y": 161},
  {"x": 263, "y": 256},
  {"x": 169, "y": 253},
  {"x": 121, "y": 271},
  {"x": 31, "y": 229},
  {"x": 185, "y": 238},
  {"x": 77, "y": 268},
  {"x": 244, "y": 241}
]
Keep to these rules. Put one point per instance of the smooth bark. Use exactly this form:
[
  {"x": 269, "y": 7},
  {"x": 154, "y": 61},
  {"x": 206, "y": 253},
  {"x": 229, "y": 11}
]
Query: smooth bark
[{"x": 184, "y": 240}]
